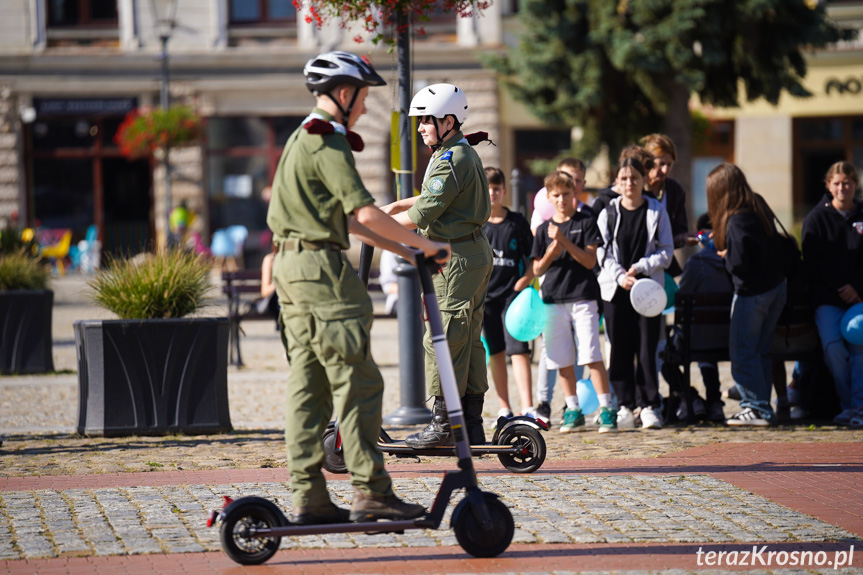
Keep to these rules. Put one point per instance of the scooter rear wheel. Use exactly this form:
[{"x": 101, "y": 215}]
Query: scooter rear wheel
[
  {"x": 470, "y": 534},
  {"x": 531, "y": 446},
  {"x": 333, "y": 462},
  {"x": 236, "y": 538}
]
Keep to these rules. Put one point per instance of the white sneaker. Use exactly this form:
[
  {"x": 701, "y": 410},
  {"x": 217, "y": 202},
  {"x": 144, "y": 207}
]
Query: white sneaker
[
  {"x": 650, "y": 418},
  {"x": 502, "y": 412},
  {"x": 749, "y": 417},
  {"x": 625, "y": 419}
]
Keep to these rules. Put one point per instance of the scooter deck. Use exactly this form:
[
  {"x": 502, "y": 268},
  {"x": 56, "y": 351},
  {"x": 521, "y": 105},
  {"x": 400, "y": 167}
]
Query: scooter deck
[{"x": 444, "y": 450}]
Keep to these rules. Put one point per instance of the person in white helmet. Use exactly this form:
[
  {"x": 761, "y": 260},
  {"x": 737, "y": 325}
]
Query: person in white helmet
[
  {"x": 452, "y": 207},
  {"x": 325, "y": 310}
]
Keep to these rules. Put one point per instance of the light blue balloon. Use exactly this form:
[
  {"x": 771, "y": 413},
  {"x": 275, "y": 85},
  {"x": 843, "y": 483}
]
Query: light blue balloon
[
  {"x": 525, "y": 318},
  {"x": 587, "y": 399},
  {"x": 852, "y": 324},
  {"x": 671, "y": 289},
  {"x": 485, "y": 345}
]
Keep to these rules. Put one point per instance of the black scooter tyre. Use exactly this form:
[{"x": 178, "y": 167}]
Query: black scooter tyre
[
  {"x": 237, "y": 543},
  {"x": 470, "y": 534},
  {"x": 532, "y": 444},
  {"x": 333, "y": 462}
]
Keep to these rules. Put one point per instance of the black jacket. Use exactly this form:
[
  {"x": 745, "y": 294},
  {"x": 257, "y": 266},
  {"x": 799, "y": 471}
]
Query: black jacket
[
  {"x": 753, "y": 257},
  {"x": 833, "y": 251}
]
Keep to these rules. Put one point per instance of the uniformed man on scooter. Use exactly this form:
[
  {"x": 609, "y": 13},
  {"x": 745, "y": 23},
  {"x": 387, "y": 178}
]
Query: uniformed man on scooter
[{"x": 326, "y": 312}]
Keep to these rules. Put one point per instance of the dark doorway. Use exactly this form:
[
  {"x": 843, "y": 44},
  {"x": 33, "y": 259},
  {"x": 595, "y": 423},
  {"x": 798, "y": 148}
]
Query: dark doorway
[{"x": 126, "y": 205}]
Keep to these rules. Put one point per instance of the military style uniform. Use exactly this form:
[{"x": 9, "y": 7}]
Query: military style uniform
[
  {"x": 453, "y": 206},
  {"x": 326, "y": 314}
]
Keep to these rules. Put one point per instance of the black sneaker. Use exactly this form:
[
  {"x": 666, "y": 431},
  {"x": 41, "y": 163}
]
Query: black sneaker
[
  {"x": 543, "y": 412},
  {"x": 748, "y": 417}
]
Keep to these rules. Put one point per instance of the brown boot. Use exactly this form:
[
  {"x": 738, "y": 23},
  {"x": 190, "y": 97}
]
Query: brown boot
[
  {"x": 436, "y": 433},
  {"x": 366, "y": 507},
  {"x": 319, "y": 514}
]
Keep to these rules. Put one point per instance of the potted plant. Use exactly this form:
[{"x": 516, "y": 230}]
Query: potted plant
[
  {"x": 161, "y": 368},
  {"x": 26, "y": 306}
]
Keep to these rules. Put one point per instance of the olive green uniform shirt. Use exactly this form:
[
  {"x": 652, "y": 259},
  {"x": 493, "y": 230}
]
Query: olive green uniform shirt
[{"x": 454, "y": 200}]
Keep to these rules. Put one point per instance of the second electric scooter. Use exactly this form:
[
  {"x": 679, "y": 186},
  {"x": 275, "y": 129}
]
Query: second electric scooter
[
  {"x": 516, "y": 442},
  {"x": 252, "y": 527}
]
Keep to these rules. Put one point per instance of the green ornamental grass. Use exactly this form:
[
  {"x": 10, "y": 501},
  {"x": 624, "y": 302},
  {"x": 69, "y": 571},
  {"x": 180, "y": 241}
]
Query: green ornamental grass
[
  {"x": 19, "y": 271},
  {"x": 167, "y": 284}
]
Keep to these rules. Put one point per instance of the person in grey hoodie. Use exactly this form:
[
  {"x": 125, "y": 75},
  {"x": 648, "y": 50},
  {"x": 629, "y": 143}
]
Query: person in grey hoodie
[{"x": 637, "y": 243}]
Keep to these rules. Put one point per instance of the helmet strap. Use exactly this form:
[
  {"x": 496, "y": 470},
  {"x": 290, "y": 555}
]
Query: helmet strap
[
  {"x": 346, "y": 113},
  {"x": 440, "y": 137}
]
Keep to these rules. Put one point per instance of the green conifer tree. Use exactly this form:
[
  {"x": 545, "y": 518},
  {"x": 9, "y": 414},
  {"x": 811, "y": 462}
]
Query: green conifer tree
[{"x": 623, "y": 69}]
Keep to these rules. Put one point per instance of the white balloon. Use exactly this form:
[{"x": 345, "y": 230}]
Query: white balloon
[{"x": 648, "y": 297}]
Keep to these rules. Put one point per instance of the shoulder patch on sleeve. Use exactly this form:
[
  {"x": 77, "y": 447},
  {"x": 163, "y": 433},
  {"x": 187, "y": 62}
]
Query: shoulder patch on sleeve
[
  {"x": 446, "y": 155},
  {"x": 436, "y": 185}
]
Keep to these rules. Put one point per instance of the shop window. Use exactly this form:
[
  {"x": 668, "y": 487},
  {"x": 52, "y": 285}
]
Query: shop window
[
  {"x": 262, "y": 12},
  {"x": 82, "y": 13},
  {"x": 242, "y": 155},
  {"x": 818, "y": 144}
]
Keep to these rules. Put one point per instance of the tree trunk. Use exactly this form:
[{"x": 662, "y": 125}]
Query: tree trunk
[{"x": 677, "y": 125}]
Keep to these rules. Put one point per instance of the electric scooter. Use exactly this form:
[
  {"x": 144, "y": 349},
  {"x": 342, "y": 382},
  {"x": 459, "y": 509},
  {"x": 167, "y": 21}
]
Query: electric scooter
[
  {"x": 252, "y": 527},
  {"x": 517, "y": 441}
]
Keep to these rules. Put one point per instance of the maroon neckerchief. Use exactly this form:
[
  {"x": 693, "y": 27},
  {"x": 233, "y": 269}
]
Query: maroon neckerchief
[{"x": 322, "y": 127}]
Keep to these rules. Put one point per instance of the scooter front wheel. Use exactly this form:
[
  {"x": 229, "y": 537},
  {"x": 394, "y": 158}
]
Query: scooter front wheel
[
  {"x": 470, "y": 534},
  {"x": 531, "y": 449},
  {"x": 334, "y": 461},
  {"x": 237, "y": 538}
]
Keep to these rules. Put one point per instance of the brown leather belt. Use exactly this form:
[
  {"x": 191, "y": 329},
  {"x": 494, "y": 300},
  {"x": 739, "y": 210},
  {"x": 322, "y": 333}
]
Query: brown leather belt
[
  {"x": 290, "y": 245},
  {"x": 474, "y": 235}
]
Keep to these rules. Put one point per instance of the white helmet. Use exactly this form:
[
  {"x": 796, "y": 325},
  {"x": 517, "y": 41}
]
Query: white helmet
[
  {"x": 330, "y": 69},
  {"x": 439, "y": 101}
]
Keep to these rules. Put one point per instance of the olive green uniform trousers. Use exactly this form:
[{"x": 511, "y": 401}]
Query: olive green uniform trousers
[
  {"x": 461, "y": 288},
  {"x": 326, "y": 317}
]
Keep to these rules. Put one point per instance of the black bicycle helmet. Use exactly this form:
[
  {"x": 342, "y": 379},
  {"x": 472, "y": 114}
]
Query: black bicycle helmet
[{"x": 330, "y": 69}]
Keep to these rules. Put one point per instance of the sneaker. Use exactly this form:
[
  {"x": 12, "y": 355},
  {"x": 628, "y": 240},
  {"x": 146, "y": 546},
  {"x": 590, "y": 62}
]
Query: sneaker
[
  {"x": 543, "y": 412},
  {"x": 845, "y": 417},
  {"x": 651, "y": 418},
  {"x": 783, "y": 413},
  {"x": 625, "y": 419},
  {"x": 856, "y": 421},
  {"x": 502, "y": 412},
  {"x": 698, "y": 408},
  {"x": 367, "y": 507},
  {"x": 573, "y": 420},
  {"x": 798, "y": 412},
  {"x": 607, "y": 420},
  {"x": 748, "y": 417},
  {"x": 716, "y": 412},
  {"x": 732, "y": 393}
]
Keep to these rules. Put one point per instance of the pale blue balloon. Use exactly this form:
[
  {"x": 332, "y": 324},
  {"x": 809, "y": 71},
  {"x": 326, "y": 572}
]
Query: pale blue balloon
[
  {"x": 587, "y": 399},
  {"x": 852, "y": 324},
  {"x": 525, "y": 318}
]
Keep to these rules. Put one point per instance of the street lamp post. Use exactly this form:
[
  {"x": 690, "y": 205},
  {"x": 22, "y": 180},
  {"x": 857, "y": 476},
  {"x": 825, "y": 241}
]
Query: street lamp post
[{"x": 164, "y": 28}]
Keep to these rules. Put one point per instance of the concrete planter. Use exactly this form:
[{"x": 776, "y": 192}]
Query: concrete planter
[
  {"x": 152, "y": 377},
  {"x": 25, "y": 331}
]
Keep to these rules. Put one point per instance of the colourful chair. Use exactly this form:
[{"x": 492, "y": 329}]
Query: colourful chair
[{"x": 57, "y": 252}]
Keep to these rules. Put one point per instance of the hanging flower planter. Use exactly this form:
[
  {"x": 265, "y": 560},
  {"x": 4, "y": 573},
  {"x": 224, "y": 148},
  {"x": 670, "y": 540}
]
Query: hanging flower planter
[{"x": 144, "y": 131}]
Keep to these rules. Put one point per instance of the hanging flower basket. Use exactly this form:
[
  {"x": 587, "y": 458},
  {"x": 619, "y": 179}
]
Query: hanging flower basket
[{"x": 145, "y": 130}]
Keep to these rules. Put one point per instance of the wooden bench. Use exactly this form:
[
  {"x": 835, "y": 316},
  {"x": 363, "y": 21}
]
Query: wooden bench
[
  {"x": 248, "y": 281},
  {"x": 796, "y": 336},
  {"x": 234, "y": 285}
]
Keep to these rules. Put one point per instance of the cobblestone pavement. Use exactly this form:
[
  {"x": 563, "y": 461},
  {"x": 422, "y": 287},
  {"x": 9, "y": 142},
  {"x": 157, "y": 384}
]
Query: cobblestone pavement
[{"x": 637, "y": 501}]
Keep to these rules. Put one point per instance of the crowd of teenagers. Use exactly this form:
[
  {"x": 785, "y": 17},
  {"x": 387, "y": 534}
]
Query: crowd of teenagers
[{"x": 588, "y": 253}]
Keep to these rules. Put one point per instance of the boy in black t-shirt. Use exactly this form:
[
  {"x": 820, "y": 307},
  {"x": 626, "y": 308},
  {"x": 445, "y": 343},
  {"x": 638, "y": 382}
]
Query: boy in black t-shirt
[
  {"x": 564, "y": 249},
  {"x": 509, "y": 235}
]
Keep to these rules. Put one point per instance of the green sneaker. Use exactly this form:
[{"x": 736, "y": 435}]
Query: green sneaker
[
  {"x": 607, "y": 420},
  {"x": 573, "y": 420}
]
